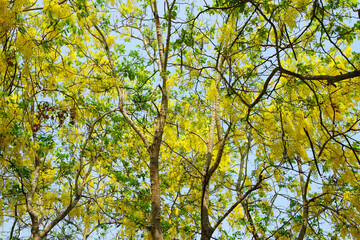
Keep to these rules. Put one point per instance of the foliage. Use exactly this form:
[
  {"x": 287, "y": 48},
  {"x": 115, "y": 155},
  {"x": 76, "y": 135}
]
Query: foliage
[{"x": 179, "y": 120}]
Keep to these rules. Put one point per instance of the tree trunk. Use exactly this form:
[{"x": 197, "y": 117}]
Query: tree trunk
[
  {"x": 156, "y": 233},
  {"x": 206, "y": 229},
  {"x": 154, "y": 149}
]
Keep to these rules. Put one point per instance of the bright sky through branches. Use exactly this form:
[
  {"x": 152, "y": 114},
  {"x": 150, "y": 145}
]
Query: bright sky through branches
[{"x": 179, "y": 120}]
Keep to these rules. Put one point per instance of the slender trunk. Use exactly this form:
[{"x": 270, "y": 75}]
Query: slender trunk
[
  {"x": 155, "y": 195},
  {"x": 154, "y": 149},
  {"x": 14, "y": 224},
  {"x": 304, "y": 186},
  {"x": 154, "y": 152},
  {"x": 34, "y": 185},
  {"x": 206, "y": 229}
]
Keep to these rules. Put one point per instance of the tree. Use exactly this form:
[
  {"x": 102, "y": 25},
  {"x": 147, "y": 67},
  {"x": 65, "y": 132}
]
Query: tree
[
  {"x": 51, "y": 136},
  {"x": 162, "y": 120}
]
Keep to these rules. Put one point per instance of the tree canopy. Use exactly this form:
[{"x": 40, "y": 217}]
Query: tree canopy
[{"x": 180, "y": 120}]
